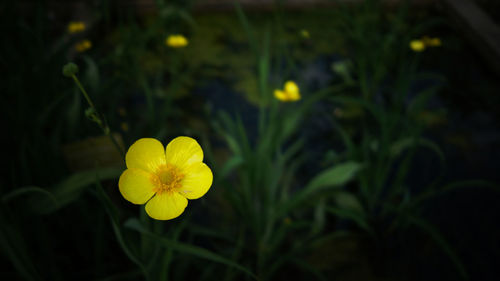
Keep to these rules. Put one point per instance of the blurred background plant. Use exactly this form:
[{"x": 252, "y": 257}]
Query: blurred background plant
[
  {"x": 270, "y": 221},
  {"x": 381, "y": 123},
  {"x": 342, "y": 184}
]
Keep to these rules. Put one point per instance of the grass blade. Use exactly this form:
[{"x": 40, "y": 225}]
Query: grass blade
[
  {"x": 113, "y": 216},
  {"x": 185, "y": 248},
  {"x": 441, "y": 242},
  {"x": 26, "y": 190}
]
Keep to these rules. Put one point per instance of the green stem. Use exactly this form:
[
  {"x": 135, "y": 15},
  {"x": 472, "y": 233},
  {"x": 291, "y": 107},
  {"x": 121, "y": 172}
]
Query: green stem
[
  {"x": 102, "y": 124},
  {"x": 87, "y": 97}
]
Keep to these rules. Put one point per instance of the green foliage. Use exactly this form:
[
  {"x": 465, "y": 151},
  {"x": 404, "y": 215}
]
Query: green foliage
[
  {"x": 264, "y": 169},
  {"x": 264, "y": 217},
  {"x": 185, "y": 248},
  {"x": 389, "y": 133}
]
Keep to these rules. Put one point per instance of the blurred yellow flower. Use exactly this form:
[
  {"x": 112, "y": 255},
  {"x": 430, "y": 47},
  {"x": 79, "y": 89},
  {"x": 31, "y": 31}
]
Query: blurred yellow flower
[
  {"x": 164, "y": 179},
  {"x": 289, "y": 93},
  {"x": 176, "y": 41},
  {"x": 76, "y": 26},
  {"x": 305, "y": 33},
  {"x": 431, "y": 42},
  {"x": 83, "y": 45},
  {"x": 417, "y": 45}
]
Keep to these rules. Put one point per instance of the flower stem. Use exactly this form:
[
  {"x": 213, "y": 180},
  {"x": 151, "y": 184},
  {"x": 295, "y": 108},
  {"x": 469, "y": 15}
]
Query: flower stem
[
  {"x": 87, "y": 97},
  {"x": 103, "y": 124}
]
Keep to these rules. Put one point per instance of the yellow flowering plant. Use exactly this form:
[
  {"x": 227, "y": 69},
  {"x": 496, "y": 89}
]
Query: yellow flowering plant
[
  {"x": 76, "y": 27},
  {"x": 290, "y": 92},
  {"x": 164, "y": 179},
  {"x": 431, "y": 42},
  {"x": 83, "y": 45},
  {"x": 262, "y": 172},
  {"x": 390, "y": 137},
  {"x": 419, "y": 45},
  {"x": 176, "y": 41}
]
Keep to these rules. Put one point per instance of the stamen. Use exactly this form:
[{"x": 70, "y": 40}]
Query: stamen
[{"x": 167, "y": 178}]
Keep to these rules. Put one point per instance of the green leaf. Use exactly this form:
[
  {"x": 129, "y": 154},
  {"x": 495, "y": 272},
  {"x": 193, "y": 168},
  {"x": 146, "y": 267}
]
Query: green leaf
[
  {"x": 348, "y": 201},
  {"x": 13, "y": 247},
  {"x": 330, "y": 178},
  {"x": 453, "y": 186},
  {"x": 28, "y": 190},
  {"x": 92, "y": 74},
  {"x": 333, "y": 177},
  {"x": 70, "y": 189},
  {"x": 263, "y": 68},
  {"x": 399, "y": 146},
  {"x": 420, "y": 100},
  {"x": 185, "y": 248},
  {"x": 441, "y": 242},
  {"x": 355, "y": 216},
  {"x": 229, "y": 166},
  {"x": 113, "y": 216},
  {"x": 318, "y": 224},
  {"x": 247, "y": 27},
  {"x": 242, "y": 134}
]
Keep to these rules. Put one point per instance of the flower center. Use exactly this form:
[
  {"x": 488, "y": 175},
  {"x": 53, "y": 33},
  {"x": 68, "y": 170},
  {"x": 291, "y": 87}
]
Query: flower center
[{"x": 167, "y": 178}]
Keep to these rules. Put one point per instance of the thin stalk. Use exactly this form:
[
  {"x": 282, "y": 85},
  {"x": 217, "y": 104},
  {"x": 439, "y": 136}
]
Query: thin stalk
[
  {"x": 87, "y": 97},
  {"x": 101, "y": 121}
]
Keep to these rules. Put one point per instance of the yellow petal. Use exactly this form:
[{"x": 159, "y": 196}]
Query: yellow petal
[
  {"x": 197, "y": 181},
  {"x": 146, "y": 154},
  {"x": 291, "y": 87},
  {"x": 83, "y": 45},
  {"x": 182, "y": 41},
  {"x": 417, "y": 45},
  {"x": 183, "y": 152},
  {"x": 294, "y": 96},
  {"x": 435, "y": 42},
  {"x": 176, "y": 41},
  {"x": 135, "y": 185},
  {"x": 74, "y": 27},
  {"x": 280, "y": 95},
  {"x": 166, "y": 206}
]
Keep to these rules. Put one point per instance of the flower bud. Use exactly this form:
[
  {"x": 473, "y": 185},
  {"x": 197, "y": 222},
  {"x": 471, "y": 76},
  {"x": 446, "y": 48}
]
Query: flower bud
[{"x": 70, "y": 69}]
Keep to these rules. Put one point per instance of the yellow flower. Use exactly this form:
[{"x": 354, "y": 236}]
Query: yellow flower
[
  {"x": 76, "y": 26},
  {"x": 164, "y": 179},
  {"x": 305, "y": 33},
  {"x": 176, "y": 41},
  {"x": 289, "y": 93},
  {"x": 83, "y": 45},
  {"x": 417, "y": 45},
  {"x": 431, "y": 42}
]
